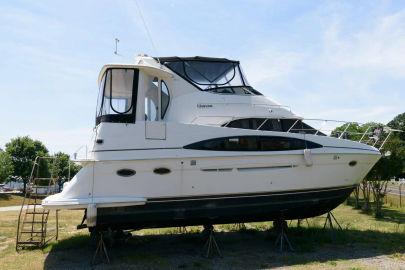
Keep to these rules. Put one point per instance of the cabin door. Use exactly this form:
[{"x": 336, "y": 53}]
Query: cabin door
[{"x": 155, "y": 128}]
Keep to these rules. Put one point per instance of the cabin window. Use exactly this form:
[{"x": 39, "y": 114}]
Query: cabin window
[
  {"x": 151, "y": 101},
  {"x": 164, "y": 98},
  {"x": 272, "y": 125},
  {"x": 117, "y": 99},
  {"x": 248, "y": 123},
  {"x": 253, "y": 143},
  {"x": 282, "y": 125}
]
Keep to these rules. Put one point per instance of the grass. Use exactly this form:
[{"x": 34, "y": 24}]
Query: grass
[
  {"x": 364, "y": 243},
  {"x": 394, "y": 201},
  {"x": 10, "y": 199}
]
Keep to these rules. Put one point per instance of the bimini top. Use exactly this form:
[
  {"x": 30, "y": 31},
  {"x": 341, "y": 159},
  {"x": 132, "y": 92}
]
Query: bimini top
[
  {"x": 193, "y": 58},
  {"x": 218, "y": 75}
]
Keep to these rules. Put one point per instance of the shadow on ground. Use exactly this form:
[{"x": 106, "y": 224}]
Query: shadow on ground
[
  {"x": 245, "y": 249},
  {"x": 388, "y": 214},
  {"x": 8, "y": 196}
]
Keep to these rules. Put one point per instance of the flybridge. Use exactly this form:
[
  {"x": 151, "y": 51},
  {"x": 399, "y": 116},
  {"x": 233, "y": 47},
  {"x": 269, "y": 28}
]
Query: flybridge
[
  {"x": 218, "y": 75},
  {"x": 144, "y": 90}
]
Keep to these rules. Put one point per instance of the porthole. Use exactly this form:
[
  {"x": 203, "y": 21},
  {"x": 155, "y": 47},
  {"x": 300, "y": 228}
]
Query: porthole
[
  {"x": 161, "y": 171},
  {"x": 352, "y": 163},
  {"x": 126, "y": 172}
]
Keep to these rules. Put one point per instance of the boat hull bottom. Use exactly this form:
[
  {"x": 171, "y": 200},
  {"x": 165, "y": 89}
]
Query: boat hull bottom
[{"x": 236, "y": 208}]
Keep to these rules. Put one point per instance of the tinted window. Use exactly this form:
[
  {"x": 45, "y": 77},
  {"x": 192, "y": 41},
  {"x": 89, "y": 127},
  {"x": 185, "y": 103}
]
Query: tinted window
[
  {"x": 284, "y": 125},
  {"x": 165, "y": 98},
  {"x": 272, "y": 125},
  {"x": 235, "y": 90},
  {"x": 248, "y": 123},
  {"x": 253, "y": 143}
]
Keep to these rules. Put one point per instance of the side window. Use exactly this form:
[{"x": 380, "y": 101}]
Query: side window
[
  {"x": 253, "y": 143},
  {"x": 151, "y": 101},
  {"x": 164, "y": 98},
  {"x": 118, "y": 91},
  {"x": 117, "y": 97},
  {"x": 248, "y": 123},
  {"x": 100, "y": 98},
  {"x": 271, "y": 125},
  {"x": 284, "y": 125},
  {"x": 280, "y": 144}
]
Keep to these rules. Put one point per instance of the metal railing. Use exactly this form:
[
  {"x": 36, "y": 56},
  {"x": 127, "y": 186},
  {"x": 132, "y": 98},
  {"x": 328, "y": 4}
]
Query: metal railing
[
  {"x": 377, "y": 135},
  {"x": 376, "y": 139}
]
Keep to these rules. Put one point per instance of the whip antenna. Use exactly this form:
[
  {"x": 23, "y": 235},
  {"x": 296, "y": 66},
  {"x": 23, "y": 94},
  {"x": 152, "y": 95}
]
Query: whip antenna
[
  {"x": 147, "y": 29},
  {"x": 116, "y": 46}
]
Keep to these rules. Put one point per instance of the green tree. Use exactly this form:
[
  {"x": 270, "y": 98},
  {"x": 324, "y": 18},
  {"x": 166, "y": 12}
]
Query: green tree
[
  {"x": 391, "y": 163},
  {"x": 6, "y": 166},
  {"x": 355, "y": 131},
  {"x": 398, "y": 123},
  {"x": 397, "y": 142},
  {"x": 23, "y": 151},
  {"x": 383, "y": 170},
  {"x": 64, "y": 167}
]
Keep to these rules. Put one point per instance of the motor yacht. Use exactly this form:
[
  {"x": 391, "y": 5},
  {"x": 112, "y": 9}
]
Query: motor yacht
[{"x": 184, "y": 141}]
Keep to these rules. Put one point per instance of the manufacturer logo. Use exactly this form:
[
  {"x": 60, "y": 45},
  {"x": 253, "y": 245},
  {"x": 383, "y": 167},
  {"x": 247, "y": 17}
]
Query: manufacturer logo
[{"x": 204, "y": 106}]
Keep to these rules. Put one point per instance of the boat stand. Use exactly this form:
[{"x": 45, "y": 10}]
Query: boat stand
[
  {"x": 329, "y": 221},
  {"x": 101, "y": 249},
  {"x": 282, "y": 241},
  {"x": 211, "y": 244}
]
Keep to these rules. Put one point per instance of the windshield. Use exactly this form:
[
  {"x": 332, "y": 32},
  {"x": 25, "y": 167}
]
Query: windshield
[{"x": 212, "y": 75}]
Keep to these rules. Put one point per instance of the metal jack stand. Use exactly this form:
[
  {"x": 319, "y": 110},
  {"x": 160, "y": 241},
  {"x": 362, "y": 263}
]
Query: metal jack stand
[
  {"x": 101, "y": 249},
  {"x": 329, "y": 221},
  {"x": 211, "y": 243},
  {"x": 281, "y": 227}
]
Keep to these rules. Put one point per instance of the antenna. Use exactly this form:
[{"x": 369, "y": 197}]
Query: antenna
[
  {"x": 146, "y": 29},
  {"x": 116, "y": 46}
]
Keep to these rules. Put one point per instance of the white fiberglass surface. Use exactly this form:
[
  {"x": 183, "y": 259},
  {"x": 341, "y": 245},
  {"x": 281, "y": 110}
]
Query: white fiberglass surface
[{"x": 228, "y": 175}]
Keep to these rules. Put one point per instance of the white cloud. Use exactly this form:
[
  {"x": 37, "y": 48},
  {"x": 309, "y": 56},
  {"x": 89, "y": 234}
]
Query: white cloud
[
  {"x": 270, "y": 64},
  {"x": 351, "y": 72},
  {"x": 380, "y": 47}
]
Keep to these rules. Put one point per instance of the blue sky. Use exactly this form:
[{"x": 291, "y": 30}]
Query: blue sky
[{"x": 335, "y": 60}]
